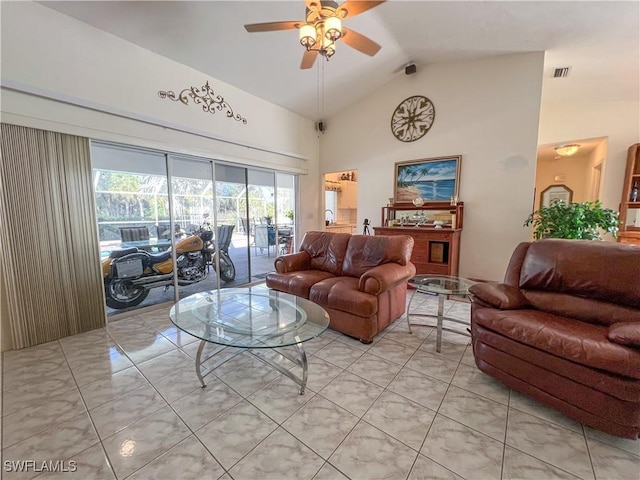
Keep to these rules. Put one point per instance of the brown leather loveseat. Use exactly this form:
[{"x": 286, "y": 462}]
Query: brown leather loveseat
[
  {"x": 564, "y": 328},
  {"x": 360, "y": 280}
]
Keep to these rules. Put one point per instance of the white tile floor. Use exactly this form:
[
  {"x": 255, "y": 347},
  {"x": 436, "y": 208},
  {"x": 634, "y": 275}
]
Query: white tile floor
[{"x": 124, "y": 402}]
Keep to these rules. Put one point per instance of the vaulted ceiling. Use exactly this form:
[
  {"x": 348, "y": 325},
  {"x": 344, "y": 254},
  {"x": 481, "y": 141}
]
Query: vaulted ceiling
[{"x": 599, "y": 40}]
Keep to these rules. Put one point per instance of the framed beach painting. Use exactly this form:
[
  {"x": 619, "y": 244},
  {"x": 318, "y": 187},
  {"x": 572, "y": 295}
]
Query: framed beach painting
[{"x": 432, "y": 179}]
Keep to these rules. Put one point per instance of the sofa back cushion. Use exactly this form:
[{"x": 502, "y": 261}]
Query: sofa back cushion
[
  {"x": 585, "y": 309},
  {"x": 326, "y": 249},
  {"x": 589, "y": 280},
  {"x": 365, "y": 252}
]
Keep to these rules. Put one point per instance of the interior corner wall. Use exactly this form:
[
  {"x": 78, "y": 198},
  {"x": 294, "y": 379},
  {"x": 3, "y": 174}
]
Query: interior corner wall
[
  {"x": 618, "y": 121},
  {"x": 487, "y": 111},
  {"x": 63, "y": 75}
]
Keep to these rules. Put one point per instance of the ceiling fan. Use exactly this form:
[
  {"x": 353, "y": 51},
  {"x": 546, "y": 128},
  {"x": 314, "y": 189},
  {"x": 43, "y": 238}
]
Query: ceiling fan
[{"x": 323, "y": 28}]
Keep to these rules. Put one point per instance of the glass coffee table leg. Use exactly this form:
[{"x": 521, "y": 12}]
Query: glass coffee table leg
[
  {"x": 440, "y": 321},
  {"x": 304, "y": 365},
  {"x": 199, "y": 363},
  {"x": 409, "y": 310},
  {"x": 300, "y": 360}
]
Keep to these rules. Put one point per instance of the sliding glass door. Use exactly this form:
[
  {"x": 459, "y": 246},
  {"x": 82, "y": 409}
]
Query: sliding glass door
[
  {"x": 232, "y": 234},
  {"x": 132, "y": 204},
  {"x": 215, "y": 225},
  {"x": 193, "y": 224}
]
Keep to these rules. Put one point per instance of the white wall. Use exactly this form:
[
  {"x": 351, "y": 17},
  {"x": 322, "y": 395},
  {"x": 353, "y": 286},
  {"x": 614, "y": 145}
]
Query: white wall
[
  {"x": 618, "y": 121},
  {"x": 488, "y": 112},
  {"x": 61, "y": 74},
  {"x": 598, "y": 158}
]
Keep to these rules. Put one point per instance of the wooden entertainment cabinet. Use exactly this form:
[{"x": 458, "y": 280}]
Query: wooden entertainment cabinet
[{"x": 436, "y": 250}]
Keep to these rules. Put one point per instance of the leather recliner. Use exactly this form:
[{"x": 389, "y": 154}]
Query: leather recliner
[
  {"x": 360, "y": 280},
  {"x": 564, "y": 328}
]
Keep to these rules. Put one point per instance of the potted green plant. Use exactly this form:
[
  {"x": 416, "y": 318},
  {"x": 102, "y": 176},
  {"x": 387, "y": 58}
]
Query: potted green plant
[{"x": 573, "y": 220}]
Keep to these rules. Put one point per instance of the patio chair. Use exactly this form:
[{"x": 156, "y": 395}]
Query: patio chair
[
  {"x": 134, "y": 234},
  {"x": 285, "y": 239},
  {"x": 164, "y": 231},
  {"x": 265, "y": 237},
  {"x": 245, "y": 226},
  {"x": 223, "y": 236}
]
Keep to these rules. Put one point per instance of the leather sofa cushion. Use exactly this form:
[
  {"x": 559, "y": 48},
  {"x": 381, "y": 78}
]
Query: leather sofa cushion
[
  {"x": 326, "y": 251},
  {"x": 341, "y": 293},
  {"x": 579, "y": 342},
  {"x": 624, "y": 388},
  {"x": 504, "y": 297},
  {"x": 296, "y": 283},
  {"x": 578, "y": 267},
  {"x": 625, "y": 333},
  {"x": 365, "y": 252},
  {"x": 580, "y": 308}
]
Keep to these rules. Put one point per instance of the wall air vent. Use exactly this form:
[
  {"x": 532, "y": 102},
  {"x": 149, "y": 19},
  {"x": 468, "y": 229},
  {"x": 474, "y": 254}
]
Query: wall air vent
[{"x": 561, "y": 72}]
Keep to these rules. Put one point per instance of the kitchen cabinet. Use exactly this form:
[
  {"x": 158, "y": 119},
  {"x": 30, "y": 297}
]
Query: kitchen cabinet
[
  {"x": 348, "y": 195},
  {"x": 337, "y": 228}
]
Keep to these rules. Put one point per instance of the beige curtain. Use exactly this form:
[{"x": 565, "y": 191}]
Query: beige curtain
[{"x": 50, "y": 249}]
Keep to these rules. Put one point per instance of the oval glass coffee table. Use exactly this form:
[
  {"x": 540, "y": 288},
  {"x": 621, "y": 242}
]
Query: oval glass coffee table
[
  {"x": 442, "y": 286},
  {"x": 251, "y": 320}
]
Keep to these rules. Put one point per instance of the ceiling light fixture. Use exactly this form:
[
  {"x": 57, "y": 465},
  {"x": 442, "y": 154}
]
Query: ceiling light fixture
[
  {"x": 322, "y": 28},
  {"x": 321, "y": 37},
  {"x": 567, "y": 150}
]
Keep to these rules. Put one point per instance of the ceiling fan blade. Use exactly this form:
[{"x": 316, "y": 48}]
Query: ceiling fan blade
[
  {"x": 308, "y": 59},
  {"x": 272, "y": 26},
  {"x": 351, "y": 8},
  {"x": 313, "y": 5},
  {"x": 359, "y": 42}
]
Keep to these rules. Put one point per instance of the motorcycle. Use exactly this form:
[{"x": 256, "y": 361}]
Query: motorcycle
[{"x": 129, "y": 274}]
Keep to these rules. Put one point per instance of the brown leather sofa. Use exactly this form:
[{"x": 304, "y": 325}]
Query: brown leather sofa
[
  {"x": 360, "y": 280},
  {"x": 564, "y": 328}
]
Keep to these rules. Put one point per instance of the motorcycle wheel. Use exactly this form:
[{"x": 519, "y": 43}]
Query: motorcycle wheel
[
  {"x": 227, "y": 268},
  {"x": 123, "y": 294}
]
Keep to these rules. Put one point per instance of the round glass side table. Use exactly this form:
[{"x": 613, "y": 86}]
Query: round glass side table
[{"x": 443, "y": 286}]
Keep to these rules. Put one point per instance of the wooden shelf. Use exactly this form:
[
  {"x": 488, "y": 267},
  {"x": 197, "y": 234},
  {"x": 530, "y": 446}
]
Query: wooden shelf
[{"x": 630, "y": 233}]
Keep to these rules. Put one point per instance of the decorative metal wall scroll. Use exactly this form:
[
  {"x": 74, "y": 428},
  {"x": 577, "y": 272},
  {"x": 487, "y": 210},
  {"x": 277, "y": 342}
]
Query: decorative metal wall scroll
[
  {"x": 205, "y": 95},
  {"x": 413, "y": 118}
]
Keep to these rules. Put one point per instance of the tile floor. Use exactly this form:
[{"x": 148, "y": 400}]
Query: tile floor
[{"x": 124, "y": 402}]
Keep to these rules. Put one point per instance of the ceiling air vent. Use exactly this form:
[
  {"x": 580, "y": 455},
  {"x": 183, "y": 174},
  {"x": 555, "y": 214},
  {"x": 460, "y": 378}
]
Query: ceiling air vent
[{"x": 561, "y": 72}]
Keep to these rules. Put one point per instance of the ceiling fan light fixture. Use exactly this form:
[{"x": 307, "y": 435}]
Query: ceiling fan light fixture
[
  {"x": 333, "y": 28},
  {"x": 322, "y": 27},
  {"x": 567, "y": 150},
  {"x": 308, "y": 36},
  {"x": 328, "y": 47}
]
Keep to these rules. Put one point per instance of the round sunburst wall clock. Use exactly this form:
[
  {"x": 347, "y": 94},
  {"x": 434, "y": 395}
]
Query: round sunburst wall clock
[{"x": 413, "y": 118}]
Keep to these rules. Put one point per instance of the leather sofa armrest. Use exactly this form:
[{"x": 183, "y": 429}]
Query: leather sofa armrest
[
  {"x": 292, "y": 262},
  {"x": 499, "y": 295},
  {"x": 625, "y": 333},
  {"x": 384, "y": 277}
]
